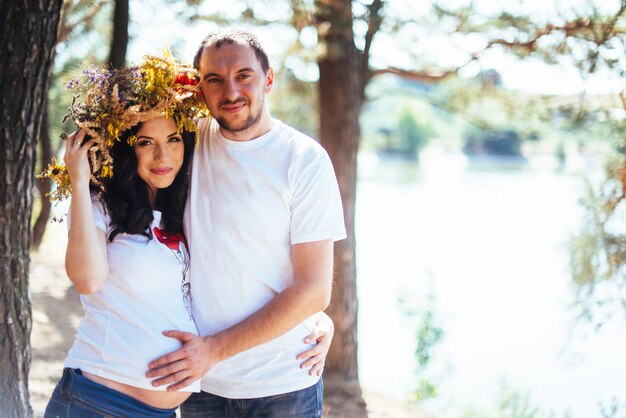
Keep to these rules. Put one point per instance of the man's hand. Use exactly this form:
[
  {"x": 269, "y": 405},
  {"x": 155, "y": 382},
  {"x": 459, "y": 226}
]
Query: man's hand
[{"x": 185, "y": 365}]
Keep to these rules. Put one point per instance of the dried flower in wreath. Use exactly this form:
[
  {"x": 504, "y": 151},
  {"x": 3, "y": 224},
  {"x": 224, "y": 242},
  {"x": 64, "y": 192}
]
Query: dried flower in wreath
[{"x": 115, "y": 100}]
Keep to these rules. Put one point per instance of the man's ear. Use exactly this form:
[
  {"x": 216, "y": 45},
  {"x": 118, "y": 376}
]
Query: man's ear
[{"x": 269, "y": 80}]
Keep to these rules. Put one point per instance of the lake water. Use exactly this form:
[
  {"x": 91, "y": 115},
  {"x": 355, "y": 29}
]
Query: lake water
[{"x": 491, "y": 245}]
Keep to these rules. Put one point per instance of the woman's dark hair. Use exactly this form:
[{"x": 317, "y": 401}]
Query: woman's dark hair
[{"x": 126, "y": 195}]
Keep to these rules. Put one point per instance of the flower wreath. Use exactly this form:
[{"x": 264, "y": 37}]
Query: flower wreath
[{"x": 118, "y": 99}]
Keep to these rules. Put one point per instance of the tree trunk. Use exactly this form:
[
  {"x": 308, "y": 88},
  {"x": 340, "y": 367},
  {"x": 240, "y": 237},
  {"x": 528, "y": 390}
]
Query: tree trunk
[
  {"x": 119, "y": 43},
  {"x": 340, "y": 104},
  {"x": 43, "y": 185},
  {"x": 27, "y": 39}
]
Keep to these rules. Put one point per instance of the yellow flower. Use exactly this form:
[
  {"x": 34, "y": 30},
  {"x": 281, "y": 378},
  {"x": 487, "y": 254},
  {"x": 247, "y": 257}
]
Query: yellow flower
[{"x": 107, "y": 171}]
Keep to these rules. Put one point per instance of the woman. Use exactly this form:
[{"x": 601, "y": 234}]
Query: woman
[{"x": 126, "y": 255}]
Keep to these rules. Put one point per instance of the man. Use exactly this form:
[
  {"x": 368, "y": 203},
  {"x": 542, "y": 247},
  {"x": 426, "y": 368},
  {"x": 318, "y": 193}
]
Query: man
[{"x": 263, "y": 213}]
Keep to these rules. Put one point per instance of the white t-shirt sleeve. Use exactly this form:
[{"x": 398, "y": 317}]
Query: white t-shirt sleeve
[
  {"x": 316, "y": 209},
  {"x": 99, "y": 216}
]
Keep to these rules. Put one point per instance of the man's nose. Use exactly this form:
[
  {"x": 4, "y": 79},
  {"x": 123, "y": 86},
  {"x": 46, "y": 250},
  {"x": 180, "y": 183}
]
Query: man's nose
[{"x": 231, "y": 90}]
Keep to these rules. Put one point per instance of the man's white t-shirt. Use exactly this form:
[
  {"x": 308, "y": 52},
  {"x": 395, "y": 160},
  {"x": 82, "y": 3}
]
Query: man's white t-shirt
[
  {"x": 249, "y": 202},
  {"x": 145, "y": 293}
]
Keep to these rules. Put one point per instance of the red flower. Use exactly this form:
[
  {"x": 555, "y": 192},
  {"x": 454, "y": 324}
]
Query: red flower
[
  {"x": 171, "y": 240},
  {"x": 185, "y": 80}
]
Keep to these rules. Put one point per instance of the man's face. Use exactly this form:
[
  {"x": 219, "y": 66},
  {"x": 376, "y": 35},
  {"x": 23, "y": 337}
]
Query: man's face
[{"x": 234, "y": 87}]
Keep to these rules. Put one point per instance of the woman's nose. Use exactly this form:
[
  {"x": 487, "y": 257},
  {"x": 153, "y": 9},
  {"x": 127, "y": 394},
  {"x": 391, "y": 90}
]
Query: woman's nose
[{"x": 161, "y": 152}]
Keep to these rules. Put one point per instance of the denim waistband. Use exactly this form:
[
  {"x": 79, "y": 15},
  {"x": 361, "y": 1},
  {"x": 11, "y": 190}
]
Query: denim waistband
[{"x": 108, "y": 400}]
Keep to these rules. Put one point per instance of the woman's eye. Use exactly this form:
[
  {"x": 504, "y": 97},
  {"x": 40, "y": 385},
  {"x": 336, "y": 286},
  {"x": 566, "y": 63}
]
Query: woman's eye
[
  {"x": 143, "y": 143},
  {"x": 175, "y": 139}
]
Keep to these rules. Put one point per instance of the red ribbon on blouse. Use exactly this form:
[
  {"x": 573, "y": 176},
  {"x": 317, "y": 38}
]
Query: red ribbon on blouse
[{"x": 171, "y": 240}]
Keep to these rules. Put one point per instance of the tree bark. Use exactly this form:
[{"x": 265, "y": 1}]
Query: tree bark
[
  {"x": 340, "y": 103},
  {"x": 43, "y": 185},
  {"x": 27, "y": 39},
  {"x": 119, "y": 42}
]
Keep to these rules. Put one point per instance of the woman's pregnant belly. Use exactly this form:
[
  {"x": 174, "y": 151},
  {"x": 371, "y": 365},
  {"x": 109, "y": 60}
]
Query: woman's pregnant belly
[{"x": 158, "y": 399}]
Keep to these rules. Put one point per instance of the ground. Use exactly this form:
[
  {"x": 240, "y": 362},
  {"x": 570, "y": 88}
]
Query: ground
[{"x": 57, "y": 310}]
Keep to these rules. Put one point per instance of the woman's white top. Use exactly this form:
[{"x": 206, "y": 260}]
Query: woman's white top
[{"x": 145, "y": 293}]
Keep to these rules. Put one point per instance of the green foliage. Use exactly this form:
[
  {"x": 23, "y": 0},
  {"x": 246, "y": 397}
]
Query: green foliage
[
  {"x": 513, "y": 403},
  {"x": 500, "y": 142},
  {"x": 398, "y": 118},
  {"x": 428, "y": 336},
  {"x": 493, "y": 112},
  {"x": 516, "y": 404},
  {"x": 560, "y": 151},
  {"x": 294, "y": 101},
  {"x": 598, "y": 251},
  {"x": 590, "y": 35},
  {"x": 411, "y": 134},
  {"x": 613, "y": 410}
]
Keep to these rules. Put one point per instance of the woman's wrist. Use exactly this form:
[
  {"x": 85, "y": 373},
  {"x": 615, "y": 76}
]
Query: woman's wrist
[{"x": 80, "y": 188}]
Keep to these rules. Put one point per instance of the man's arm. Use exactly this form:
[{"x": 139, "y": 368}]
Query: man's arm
[{"x": 309, "y": 293}]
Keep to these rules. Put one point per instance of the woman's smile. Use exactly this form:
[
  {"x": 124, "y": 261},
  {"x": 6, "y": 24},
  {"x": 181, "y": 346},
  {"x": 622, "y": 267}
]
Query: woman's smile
[{"x": 161, "y": 170}]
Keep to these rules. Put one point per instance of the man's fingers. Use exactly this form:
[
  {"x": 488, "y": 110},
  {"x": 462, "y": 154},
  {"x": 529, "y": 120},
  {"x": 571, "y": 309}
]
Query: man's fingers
[
  {"x": 182, "y": 384},
  {"x": 166, "y": 359},
  {"x": 181, "y": 336},
  {"x": 169, "y": 369},
  {"x": 179, "y": 354},
  {"x": 172, "y": 378}
]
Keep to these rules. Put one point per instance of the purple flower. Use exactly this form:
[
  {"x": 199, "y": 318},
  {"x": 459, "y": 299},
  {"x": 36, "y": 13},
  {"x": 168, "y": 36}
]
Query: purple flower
[{"x": 72, "y": 84}]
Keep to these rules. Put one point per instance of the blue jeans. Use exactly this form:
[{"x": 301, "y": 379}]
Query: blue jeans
[
  {"x": 305, "y": 403},
  {"x": 75, "y": 396}
]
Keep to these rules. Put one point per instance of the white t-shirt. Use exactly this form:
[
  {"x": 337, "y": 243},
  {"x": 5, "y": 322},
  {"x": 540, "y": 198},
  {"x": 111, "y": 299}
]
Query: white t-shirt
[
  {"x": 249, "y": 202},
  {"x": 145, "y": 293}
]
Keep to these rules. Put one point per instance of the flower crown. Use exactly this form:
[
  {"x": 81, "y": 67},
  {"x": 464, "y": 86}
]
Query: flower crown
[{"x": 118, "y": 99}]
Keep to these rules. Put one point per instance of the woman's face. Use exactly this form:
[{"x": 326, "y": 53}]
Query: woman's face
[{"x": 160, "y": 152}]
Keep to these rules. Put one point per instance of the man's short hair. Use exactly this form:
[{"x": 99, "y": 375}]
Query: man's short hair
[{"x": 231, "y": 36}]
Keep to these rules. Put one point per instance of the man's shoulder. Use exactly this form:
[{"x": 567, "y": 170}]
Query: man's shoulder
[{"x": 299, "y": 139}]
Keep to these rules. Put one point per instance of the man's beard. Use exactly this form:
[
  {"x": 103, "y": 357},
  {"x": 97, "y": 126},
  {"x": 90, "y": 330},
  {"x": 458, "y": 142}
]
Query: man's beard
[{"x": 250, "y": 121}]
